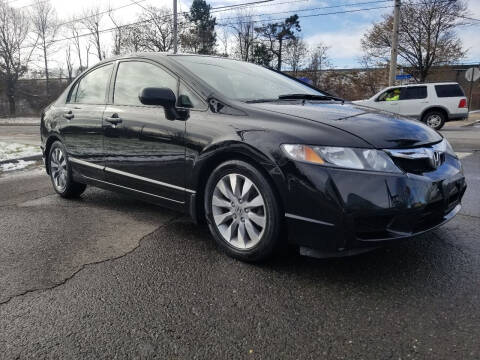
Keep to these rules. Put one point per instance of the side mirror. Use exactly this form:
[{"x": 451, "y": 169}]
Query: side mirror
[{"x": 162, "y": 97}]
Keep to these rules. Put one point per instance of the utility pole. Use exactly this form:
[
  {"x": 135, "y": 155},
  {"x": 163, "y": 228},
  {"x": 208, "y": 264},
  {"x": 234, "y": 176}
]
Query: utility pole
[
  {"x": 393, "y": 55},
  {"x": 175, "y": 27}
]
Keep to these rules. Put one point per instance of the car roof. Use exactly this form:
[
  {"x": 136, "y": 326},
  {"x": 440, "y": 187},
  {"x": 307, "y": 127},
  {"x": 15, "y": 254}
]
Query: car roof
[{"x": 421, "y": 84}]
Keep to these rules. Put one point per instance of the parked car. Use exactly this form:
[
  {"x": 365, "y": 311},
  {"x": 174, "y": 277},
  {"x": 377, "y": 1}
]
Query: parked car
[
  {"x": 261, "y": 157},
  {"x": 432, "y": 103}
]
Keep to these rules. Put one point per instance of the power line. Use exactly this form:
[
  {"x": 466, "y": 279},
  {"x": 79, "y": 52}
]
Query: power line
[
  {"x": 309, "y": 9},
  {"x": 313, "y": 15},
  {"x": 468, "y": 18},
  {"x": 244, "y": 4},
  {"x": 99, "y": 13},
  {"x": 276, "y": 3},
  {"x": 32, "y": 4},
  {"x": 319, "y": 14}
]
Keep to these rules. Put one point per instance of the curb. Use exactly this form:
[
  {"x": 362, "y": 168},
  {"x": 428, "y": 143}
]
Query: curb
[
  {"x": 472, "y": 124},
  {"x": 26, "y": 158}
]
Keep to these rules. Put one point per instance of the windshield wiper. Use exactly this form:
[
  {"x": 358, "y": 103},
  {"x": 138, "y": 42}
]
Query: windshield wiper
[
  {"x": 260, "y": 101},
  {"x": 297, "y": 97},
  {"x": 308, "y": 97}
]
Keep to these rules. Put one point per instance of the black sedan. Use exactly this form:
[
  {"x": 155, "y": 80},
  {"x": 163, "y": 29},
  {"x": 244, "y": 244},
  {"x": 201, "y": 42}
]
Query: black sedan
[{"x": 264, "y": 158}]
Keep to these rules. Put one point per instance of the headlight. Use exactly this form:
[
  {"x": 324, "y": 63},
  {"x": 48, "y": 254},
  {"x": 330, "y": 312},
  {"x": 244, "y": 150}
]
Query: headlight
[
  {"x": 444, "y": 146},
  {"x": 351, "y": 158}
]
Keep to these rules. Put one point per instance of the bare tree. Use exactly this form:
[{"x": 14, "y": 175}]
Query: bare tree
[
  {"x": 88, "y": 46},
  {"x": 319, "y": 60},
  {"x": 15, "y": 54},
  {"x": 157, "y": 29},
  {"x": 223, "y": 37},
  {"x": 117, "y": 34},
  {"x": 69, "y": 63},
  {"x": 91, "y": 20},
  {"x": 426, "y": 38},
  {"x": 373, "y": 76},
  {"x": 132, "y": 38},
  {"x": 45, "y": 26},
  {"x": 295, "y": 54},
  {"x": 74, "y": 32},
  {"x": 243, "y": 30}
]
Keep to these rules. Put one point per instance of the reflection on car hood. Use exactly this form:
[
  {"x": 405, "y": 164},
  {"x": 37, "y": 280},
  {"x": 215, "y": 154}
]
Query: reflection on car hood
[{"x": 380, "y": 129}]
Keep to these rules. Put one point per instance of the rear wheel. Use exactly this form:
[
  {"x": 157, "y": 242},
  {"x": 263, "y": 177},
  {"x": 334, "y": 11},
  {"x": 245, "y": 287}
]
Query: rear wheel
[
  {"x": 434, "y": 119},
  {"x": 61, "y": 172},
  {"x": 242, "y": 211}
]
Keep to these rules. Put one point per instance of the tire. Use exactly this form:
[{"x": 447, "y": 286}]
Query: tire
[
  {"x": 255, "y": 218},
  {"x": 61, "y": 172},
  {"x": 434, "y": 119}
]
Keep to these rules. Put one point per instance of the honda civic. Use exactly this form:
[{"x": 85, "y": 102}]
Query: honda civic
[{"x": 264, "y": 159}]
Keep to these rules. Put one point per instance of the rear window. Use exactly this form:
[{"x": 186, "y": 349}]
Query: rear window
[
  {"x": 452, "y": 90},
  {"x": 414, "y": 92}
]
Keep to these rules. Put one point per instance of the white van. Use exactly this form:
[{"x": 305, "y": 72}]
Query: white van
[{"x": 432, "y": 103}]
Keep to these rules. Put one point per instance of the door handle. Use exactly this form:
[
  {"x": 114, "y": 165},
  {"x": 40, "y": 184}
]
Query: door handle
[
  {"x": 114, "y": 119},
  {"x": 68, "y": 115}
]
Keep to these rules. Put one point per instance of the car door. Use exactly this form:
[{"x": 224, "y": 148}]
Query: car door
[
  {"x": 81, "y": 128},
  {"x": 413, "y": 100},
  {"x": 144, "y": 151},
  {"x": 382, "y": 103}
]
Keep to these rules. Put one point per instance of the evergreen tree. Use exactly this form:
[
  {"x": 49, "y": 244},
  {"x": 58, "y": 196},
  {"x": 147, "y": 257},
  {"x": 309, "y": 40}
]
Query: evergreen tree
[{"x": 202, "y": 37}]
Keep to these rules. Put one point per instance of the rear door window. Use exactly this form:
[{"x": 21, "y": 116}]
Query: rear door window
[
  {"x": 414, "y": 92},
  {"x": 450, "y": 90},
  {"x": 92, "y": 88}
]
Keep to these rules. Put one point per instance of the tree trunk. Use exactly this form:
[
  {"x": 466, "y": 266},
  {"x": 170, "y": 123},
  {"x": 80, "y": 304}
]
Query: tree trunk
[
  {"x": 11, "y": 97},
  {"x": 279, "y": 62},
  {"x": 47, "y": 85}
]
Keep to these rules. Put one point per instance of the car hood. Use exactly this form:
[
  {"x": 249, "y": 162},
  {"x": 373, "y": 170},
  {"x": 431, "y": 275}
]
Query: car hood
[{"x": 382, "y": 130}]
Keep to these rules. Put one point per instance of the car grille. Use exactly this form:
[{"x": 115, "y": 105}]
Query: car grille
[
  {"x": 417, "y": 166},
  {"x": 418, "y": 160}
]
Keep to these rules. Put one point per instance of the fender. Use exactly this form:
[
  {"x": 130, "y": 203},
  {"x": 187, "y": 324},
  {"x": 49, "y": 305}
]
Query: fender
[
  {"x": 215, "y": 154},
  {"x": 434, "y": 107}
]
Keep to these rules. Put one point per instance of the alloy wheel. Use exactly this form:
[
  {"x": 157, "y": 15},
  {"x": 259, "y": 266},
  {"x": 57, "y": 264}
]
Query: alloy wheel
[
  {"x": 434, "y": 120},
  {"x": 239, "y": 211},
  {"x": 58, "y": 169}
]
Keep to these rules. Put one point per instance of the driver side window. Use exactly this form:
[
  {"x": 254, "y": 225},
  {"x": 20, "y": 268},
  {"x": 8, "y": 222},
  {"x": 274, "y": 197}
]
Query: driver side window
[
  {"x": 133, "y": 76},
  {"x": 390, "y": 95}
]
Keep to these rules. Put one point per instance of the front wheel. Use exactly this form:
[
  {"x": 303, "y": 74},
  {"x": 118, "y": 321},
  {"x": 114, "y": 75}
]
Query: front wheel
[
  {"x": 61, "y": 172},
  {"x": 434, "y": 119},
  {"x": 242, "y": 211}
]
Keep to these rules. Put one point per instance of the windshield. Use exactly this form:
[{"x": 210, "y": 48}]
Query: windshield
[{"x": 243, "y": 81}]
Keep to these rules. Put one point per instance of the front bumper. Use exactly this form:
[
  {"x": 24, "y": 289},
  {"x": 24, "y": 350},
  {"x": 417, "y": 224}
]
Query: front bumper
[{"x": 337, "y": 210}]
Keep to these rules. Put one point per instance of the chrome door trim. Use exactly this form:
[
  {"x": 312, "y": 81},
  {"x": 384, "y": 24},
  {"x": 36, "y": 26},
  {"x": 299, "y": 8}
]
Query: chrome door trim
[
  {"x": 85, "y": 163},
  {"x": 297, "y": 217},
  {"x": 119, "y": 172},
  {"x": 131, "y": 189}
]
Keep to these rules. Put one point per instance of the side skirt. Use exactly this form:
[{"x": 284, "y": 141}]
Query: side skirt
[{"x": 183, "y": 207}]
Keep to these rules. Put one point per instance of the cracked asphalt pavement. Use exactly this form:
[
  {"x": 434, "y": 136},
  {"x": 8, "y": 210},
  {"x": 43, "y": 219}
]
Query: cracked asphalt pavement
[{"x": 107, "y": 276}]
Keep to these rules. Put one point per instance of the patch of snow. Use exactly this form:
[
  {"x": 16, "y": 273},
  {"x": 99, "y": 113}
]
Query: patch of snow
[
  {"x": 10, "y": 151},
  {"x": 15, "y": 165},
  {"x": 21, "y": 120},
  {"x": 462, "y": 155}
]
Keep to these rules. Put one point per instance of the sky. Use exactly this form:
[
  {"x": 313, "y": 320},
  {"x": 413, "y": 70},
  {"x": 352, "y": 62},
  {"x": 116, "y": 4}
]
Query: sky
[{"x": 341, "y": 32}]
